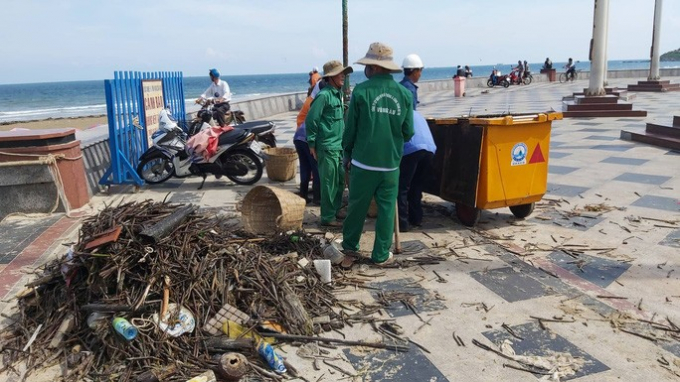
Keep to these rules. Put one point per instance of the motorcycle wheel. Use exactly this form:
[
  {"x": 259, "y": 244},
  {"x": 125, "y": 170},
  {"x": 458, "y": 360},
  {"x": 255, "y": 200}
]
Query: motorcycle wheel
[
  {"x": 527, "y": 80},
  {"x": 563, "y": 78},
  {"x": 505, "y": 83},
  {"x": 250, "y": 160},
  {"x": 156, "y": 169},
  {"x": 489, "y": 83},
  {"x": 467, "y": 215}
]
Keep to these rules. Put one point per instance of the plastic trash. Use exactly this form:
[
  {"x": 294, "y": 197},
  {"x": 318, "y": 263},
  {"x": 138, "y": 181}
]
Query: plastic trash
[
  {"x": 95, "y": 320},
  {"x": 323, "y": 268},
  {"x": 185, "y": 322},
  {"x": 125, "y": 328},
  {"x": 267, "y": 353},
  {"x": 235, "y": 330},
  {"x": 332, "y": 253}
]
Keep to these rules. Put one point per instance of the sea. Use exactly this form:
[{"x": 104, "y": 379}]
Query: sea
[{"x": 38, "y": 101}]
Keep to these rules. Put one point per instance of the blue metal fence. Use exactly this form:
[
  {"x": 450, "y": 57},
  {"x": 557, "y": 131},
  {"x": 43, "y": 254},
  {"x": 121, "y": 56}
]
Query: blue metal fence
[{"x": 125, "y": 109}]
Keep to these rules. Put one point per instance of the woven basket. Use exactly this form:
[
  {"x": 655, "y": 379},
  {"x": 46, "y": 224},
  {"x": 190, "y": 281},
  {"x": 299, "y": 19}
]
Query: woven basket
[
  {"x": 270, "y": 209},
  {"x": 281, "y": 163}
]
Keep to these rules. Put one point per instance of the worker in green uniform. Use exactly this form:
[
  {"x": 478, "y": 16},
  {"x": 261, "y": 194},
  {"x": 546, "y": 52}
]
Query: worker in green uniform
[
  {"x": 379, "y": 121},
  {"x": 325, "y": 126}
]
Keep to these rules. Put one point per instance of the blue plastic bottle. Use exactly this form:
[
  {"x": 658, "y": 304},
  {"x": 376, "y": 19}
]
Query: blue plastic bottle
[
  {"x": 267, "y": 352},
  {"x": 125, "y": 328}
]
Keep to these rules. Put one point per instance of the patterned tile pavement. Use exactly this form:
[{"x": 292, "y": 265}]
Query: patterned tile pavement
[{"x": 598, "y": 254}]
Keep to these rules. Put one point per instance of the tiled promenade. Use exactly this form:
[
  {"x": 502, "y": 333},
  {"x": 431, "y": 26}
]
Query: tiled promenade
[{"x": 598, "y": 258}]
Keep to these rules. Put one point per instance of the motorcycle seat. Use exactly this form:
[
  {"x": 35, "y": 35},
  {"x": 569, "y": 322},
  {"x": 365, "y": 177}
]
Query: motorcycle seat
[
  {"x": 232, "y": 136},
  {"x": 255, "y": 127}
]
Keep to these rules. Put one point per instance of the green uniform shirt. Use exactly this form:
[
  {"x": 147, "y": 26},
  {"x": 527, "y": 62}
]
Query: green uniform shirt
[
  {"x": 379, "y": 121},
  {"x": 324, "y": 122}
]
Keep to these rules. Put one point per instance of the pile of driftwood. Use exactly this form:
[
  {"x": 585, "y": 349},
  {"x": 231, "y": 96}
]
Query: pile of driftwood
[{"x": 131, "y": 261}]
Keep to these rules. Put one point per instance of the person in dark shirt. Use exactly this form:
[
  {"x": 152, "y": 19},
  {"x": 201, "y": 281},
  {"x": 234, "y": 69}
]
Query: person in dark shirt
[
  {"x": 547, "y": 65},
  {"x": 413, "y": 68},
  {"x": 468, "y": 71},
  {"x": 459, "y": 72}
]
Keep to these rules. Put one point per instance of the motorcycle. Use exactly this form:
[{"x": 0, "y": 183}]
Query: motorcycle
[
  {"x": 237, "y": 156},
  {"x": 496, "y": 78},
  {"x": 515, "y": 79},
  {"x": 263, "y": 130}
]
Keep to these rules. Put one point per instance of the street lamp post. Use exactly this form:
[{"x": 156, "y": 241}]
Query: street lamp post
[
  {"x": 598, "y": 50},
  {"x": 656, "y": 36},
  {"x": 345, "y": 52}
]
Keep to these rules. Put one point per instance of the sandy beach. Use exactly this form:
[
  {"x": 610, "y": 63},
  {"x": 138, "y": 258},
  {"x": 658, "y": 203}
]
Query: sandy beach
[{"x": 80, "y": 123}]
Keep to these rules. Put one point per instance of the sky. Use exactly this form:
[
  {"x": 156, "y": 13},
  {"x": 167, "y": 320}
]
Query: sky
[{"x": 69, "y": 40}]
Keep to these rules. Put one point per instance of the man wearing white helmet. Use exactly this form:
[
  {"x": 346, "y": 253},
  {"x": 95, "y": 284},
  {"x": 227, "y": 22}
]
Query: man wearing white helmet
[{"x": 413, "y": 68}]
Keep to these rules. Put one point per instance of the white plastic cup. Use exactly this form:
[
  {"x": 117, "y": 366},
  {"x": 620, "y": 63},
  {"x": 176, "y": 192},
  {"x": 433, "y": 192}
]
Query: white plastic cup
[{"x": 323, "y": 268}]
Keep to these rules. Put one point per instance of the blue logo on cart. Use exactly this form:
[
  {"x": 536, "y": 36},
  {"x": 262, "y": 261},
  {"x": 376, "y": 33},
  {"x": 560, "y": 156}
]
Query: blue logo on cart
[{"x": 519, "y": 154}]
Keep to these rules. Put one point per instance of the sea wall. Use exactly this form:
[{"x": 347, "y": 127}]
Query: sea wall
[{"x": 97, "y": 156}]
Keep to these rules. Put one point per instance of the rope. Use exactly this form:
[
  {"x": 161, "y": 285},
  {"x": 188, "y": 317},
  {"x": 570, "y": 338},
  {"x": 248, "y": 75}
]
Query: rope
[{"x": 49, "y": 160}]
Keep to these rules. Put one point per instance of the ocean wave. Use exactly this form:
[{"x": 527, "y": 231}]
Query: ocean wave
[
  {"x": 56, "y": 112},
  {"x": 69, "y": 109}
]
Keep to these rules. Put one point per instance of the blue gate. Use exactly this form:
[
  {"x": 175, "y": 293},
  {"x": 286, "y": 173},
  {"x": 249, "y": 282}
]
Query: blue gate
[{"x": 127, "y": 122}]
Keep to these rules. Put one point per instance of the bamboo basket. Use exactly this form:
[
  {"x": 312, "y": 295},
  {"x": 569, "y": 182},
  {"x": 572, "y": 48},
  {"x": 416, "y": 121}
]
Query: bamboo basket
[
  {"x": 270, "y": 209},
  {"x": 281, "y": 163}
]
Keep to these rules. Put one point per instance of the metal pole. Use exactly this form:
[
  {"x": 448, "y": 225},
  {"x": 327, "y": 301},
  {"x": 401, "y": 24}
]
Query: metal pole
[
  {"x": 345, "y": 52},
  {"x": 598, "y": 49},
  {"x": 656, "y": 36}
]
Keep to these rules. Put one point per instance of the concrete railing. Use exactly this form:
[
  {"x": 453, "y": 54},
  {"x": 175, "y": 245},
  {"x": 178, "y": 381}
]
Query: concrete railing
[{"x": 267, "y": 106}]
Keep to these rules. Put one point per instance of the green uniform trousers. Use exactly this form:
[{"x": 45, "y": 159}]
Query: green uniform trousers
[
  {"x": 332, "y": 177},
  {"x": 363, "y": 186}
]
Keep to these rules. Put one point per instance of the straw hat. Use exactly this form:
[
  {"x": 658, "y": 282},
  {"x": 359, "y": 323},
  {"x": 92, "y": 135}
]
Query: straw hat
[
  {"x": 334, "y": 67},
  {"x": 381, "y": 55}
]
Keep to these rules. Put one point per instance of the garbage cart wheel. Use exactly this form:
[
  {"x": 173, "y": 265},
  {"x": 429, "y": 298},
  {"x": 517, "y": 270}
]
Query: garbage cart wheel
[
  {"x": 523, "y": 210},
  {"x": 467, "y": 215}
]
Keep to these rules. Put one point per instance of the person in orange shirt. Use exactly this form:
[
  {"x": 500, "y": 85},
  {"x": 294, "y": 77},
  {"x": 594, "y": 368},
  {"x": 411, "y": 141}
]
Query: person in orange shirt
[
  {"x": 314, "y": 77},
  {"x": 308, "y": 166}
]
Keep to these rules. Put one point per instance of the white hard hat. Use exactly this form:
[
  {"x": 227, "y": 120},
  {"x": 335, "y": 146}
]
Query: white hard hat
[{"x": 412, "y": 61}]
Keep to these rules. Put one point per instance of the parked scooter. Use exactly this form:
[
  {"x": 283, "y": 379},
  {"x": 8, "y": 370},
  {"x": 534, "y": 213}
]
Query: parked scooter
[
  {"x": 496, "y": 78},
  {"x": 236, "y": 156},
  {"x": 264, "y": 130}
]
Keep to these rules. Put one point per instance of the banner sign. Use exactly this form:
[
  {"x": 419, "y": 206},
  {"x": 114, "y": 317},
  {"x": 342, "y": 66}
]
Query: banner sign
[{"x": 152, "y": 95}]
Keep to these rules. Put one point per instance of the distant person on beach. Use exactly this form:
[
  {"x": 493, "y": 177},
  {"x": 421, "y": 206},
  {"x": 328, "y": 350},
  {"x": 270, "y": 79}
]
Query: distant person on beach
[
  {"x": 459, "y": 72},
  {"x": 519, "y": 68},
  {"x": 526, "y": 69},
  {"x": 571, "y": 68},
  {"x": 468, "y": 72},
  {"x": 413, "y": 68},
  {"x": 547, "y": 65},
  {"x": 218, "y": 93},
  {"x": 325, "y": 125},
  {"x": 379, "y": 121}
]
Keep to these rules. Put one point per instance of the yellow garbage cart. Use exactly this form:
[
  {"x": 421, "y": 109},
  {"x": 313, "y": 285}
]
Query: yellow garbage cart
[{"x": 491, "y": 161}]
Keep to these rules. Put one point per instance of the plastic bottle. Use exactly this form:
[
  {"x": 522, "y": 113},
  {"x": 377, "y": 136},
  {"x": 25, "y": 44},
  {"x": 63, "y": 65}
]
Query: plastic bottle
[
  {"x": 267, "y": 353},
  {"x": 124, "y": 328},
  {"x": 94, "y": 320}
]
